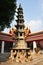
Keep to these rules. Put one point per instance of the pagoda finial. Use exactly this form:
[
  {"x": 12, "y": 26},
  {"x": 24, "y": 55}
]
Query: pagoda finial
[{"x": 20, "y": 5}]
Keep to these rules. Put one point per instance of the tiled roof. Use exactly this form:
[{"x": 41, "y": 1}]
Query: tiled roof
[
  {"x": 35, "y": 36},
  {"x": 6, "y": 37},
  {"x": 36, "y": 33}
]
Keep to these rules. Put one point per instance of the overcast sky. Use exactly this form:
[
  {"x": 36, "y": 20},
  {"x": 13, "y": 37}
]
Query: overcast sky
[{"x": 33, "y": 14}]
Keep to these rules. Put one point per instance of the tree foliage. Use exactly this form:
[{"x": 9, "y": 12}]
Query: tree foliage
[{"x": 7, "y": 11}]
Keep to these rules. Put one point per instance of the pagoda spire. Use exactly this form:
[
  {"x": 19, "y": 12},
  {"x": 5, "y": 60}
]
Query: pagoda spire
[
  {"x": 20, "y": 5},
  {"x": 20, "y": 21}
]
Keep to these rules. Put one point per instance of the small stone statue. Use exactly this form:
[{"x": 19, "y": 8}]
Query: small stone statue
[
  {"x": 23, "y": 57},
  {"x": 18, "y": 56},
  {"x": 12, "y": 55},
  {"x": 29, "y": 55}
]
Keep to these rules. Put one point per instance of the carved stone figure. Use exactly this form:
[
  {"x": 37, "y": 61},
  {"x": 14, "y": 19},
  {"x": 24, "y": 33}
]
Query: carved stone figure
[
  {"x": 18, "y": 56},
  {"x": 29, "y": 55},
  {"x": 22, "y": 56},
  {"x": 12, "y": 55}
]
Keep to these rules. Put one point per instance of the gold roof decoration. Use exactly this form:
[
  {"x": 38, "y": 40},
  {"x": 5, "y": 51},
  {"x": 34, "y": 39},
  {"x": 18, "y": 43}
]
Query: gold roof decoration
[
  {"x": 27, "y": 32},
  {"x": 12, "y": 31}
]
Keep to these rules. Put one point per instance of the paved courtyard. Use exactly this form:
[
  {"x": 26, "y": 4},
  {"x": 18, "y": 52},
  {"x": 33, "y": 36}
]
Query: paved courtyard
[{"x": 37, "y": 60}]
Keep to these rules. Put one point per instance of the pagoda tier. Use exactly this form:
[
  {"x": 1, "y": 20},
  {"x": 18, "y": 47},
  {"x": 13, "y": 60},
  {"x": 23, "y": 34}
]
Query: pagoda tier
[
  {"x": 20, "y": 20},
  {"x": 19, "y": 16},
  {"x": 20, "y": 12},
  {"x": 20, "y": 8},
  {"x": 19, "y": 25},
  {"x": 19, "y": 31}
]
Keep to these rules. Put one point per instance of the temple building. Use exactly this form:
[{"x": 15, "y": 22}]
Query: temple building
[{"x": 20, "y": 38}]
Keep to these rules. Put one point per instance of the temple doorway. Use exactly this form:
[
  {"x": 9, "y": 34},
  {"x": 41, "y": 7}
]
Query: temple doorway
[
  {"x": 40, "y": 44},
  {"x": 30, "y": 45},
  {"x": 8, "y": 46}
]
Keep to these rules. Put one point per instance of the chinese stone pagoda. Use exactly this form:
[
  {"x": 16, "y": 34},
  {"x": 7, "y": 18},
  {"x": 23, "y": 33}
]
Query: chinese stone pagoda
[{"x": 20, "y": 43}]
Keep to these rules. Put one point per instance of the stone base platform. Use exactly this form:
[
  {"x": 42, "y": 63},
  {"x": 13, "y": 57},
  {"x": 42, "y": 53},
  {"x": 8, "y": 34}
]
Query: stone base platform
[{"x": 20, "y": 55}]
